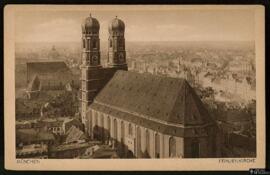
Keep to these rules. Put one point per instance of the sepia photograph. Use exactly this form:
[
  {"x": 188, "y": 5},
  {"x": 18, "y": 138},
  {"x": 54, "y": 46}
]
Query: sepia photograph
[{"x": 138, "y": 83}]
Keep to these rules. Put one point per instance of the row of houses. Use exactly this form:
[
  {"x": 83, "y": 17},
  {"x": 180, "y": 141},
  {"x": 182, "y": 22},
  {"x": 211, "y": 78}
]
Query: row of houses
[
  {"x": 58, "y": 126},
  {"x": 40, "y": 144},
  {"x": 41, "y": 138}
]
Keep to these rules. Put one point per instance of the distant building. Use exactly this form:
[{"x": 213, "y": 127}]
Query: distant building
[
  {"x": 33, "y": 151},
  {"x": 33, "y": 136},
  {"x": 75, "y": 135},
  {"x": 23, "y": 125},
  {"x": 53, "y": 125},
  {"x": 60, "y": 125},
  {"x": 53, "y": 54},
  {"x": 100, "y": 152},
  {"x": 70, "y": 150},
  {"x": 72, "y": 122},
  {"x": 52, "y": 75}
]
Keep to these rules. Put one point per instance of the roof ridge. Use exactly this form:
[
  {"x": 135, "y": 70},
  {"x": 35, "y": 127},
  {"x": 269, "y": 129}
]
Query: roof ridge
[
  {"x": 175, "y": 101},
  {"x": 199, "y": 102}
]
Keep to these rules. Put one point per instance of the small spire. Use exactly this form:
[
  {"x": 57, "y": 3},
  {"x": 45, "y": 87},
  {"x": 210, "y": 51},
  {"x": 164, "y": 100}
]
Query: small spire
[
  {"x": 90, "y": 15},
  {"x": 116, "y": 16}
]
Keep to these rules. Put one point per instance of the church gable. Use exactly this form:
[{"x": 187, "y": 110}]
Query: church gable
[
  {"x": 34, "y": 84},
  {"x": 188, "y": 108}
]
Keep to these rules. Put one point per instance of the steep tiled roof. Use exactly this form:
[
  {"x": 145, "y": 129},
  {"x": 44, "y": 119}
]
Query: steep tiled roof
[
  {"x": 162, "y": 98},
  {"x": 74, "y": 134},
  {"x": 167, "y": 105},
  {"x": 32, "y": 135},
  {"x": 47, "y": 67}
]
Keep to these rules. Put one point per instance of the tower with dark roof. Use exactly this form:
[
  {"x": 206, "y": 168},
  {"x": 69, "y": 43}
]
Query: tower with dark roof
[
  {"x": 116, "y": 44},
  {"x": 90, "y": 68}
]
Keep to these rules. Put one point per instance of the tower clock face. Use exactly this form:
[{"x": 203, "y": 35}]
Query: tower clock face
[
  {"x": 121, "y": 57},
  {"x": 95, "y": 59}
]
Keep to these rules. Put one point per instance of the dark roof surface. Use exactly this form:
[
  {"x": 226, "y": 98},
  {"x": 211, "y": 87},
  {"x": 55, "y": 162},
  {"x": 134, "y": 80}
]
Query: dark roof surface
[
  {"x": 90, "y": 23},
  {"x": 48, "y": 67},
  {"x": 167, "y": 99},
  {"x": 32, "y": 135},
  {"x": 74, "y": 134},
  {"x": 117, "y": 24}
]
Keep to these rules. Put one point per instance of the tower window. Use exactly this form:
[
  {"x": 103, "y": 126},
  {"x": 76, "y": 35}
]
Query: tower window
[
  {"x": 157, "y": 146},
  {"x": 147, "y": 141},
  {"x": 110, "y": 43},
  {"x": 83, "y": 43},
  {"x": 88, "y": 44},
  {"x": 120, "y": 43},
  {"x": 94, "y": 44},
  {"x": 130, "y": 129},
  {"x": 172, "y": 147}
]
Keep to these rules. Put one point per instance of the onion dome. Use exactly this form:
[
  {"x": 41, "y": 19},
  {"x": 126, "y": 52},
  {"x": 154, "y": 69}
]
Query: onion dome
[
  {"x": 90, "y": 24},
  {"x": 116, "y": 25}
]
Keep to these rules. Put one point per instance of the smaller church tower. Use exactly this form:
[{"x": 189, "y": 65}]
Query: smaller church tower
[
  {"x": 90, "y": 68},
  {"x": 116, "y": 45}
]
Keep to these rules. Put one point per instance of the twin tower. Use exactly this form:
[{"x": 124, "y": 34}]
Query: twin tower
[{"x": 94, "y": 77}]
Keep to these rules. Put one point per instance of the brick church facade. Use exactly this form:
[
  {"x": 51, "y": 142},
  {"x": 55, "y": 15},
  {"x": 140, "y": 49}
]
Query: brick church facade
[{"x": 146, "y": 116}]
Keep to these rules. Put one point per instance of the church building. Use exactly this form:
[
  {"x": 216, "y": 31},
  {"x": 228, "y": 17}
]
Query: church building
[{"x": 145, "y": 116}]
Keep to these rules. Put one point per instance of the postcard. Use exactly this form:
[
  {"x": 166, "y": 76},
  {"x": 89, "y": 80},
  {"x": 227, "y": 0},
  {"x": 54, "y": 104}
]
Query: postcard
[{"x": 134, "y": 87}]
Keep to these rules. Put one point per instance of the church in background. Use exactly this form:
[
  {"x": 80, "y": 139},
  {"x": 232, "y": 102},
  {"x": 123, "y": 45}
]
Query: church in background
[{"x": 143, "y": 115}]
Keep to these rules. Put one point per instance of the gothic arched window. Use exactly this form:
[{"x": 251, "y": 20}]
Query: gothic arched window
[
  {"x": 96, "y": 119},
  {"x": 138, "y": 147},
  {"x": 122, "y": 131},
  {"x": 147, "y": 137},
  {"x": 94, "y": 44},
  {"x": 101, "y": 121},
  {"x": 88, "y": 44},
  {"x": 172, "y": 147},
  {"x": 109, "y": 124},
  {"x": 157, "y": 146},
  {"x": 115, "y": 128},
  {"x": 110, "y": 43},
  {"x": 195, "y": 149},
  {"x": 121, "y": 43},
  {"x": 130, "y": 129},
  {"x": 101, "y": 126},
  {"x": 83, "y": 43}
]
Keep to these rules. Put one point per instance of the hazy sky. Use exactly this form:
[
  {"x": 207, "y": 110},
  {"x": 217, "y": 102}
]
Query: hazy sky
[{"x": 143, "y": 25}]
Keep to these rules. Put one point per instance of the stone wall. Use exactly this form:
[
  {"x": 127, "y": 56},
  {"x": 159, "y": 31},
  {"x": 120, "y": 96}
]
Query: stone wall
[{"x": 183, "y": 146}]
